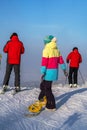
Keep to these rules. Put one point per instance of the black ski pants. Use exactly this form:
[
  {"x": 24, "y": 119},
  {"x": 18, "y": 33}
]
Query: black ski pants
[
  {"x": 73, "y": 73},
  {"x": 9, "y": 68},
  {"x": 46, "y": 90}
]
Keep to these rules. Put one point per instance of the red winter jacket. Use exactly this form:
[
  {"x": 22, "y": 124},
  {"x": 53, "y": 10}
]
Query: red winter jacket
[
  {"x": 14, "y": 48},
  {"x": 74, "y": 58}
]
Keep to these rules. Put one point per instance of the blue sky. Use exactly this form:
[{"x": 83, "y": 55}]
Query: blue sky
[
  {"x": 34, "y": 19},
  {"x": 37, "y": 18}
]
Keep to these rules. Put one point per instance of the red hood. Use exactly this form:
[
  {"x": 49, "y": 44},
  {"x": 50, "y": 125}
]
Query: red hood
[
  {"x": 14, "y": 38},
  {"x": 75, "y": 51}
]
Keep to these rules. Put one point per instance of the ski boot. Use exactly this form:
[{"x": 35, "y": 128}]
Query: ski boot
[
  {"x": 4, "y": 89},
  {"x": 17, "y": 89}
]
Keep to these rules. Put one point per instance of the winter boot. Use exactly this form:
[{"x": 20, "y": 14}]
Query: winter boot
[
  {"x": 4, "y": 89},
  {"x": 17, "y": 89},
  {"x": 43, "y": 101},
  {"x": 75, "y": 85},
  {"x": 54, "y": 109},
  {"x": 70, "y": 85}
]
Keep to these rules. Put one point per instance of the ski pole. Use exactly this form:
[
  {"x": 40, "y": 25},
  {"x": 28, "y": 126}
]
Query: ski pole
[
  {"x": 0, "y": 64},
  {"x": 81, "y": 76}
]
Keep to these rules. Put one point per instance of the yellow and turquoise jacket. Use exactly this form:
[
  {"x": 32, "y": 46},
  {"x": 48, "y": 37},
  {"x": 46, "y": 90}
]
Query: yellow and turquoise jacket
[{"x": 51, "y": 58}]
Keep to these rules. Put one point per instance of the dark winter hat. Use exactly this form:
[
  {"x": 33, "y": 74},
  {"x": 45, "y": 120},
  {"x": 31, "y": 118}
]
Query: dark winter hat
[
  {"x": 13, "y": 34},
  {"x": 48, "y": 39},
  {"x": 75, "y": 48}
]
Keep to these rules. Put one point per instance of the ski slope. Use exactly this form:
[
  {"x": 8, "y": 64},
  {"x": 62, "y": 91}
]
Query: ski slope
[{"x": 71, "y": 113}]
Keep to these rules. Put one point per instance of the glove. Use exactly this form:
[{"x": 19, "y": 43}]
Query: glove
[
  {"x": 65, "y": 73},
  {"x": 42, "y": 77},
  {"x": 67, "y": 61}
]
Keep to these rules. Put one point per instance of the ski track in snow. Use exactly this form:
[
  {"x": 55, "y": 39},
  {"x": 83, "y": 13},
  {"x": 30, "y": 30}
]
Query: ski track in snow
[{"x": 71, "y": 110}]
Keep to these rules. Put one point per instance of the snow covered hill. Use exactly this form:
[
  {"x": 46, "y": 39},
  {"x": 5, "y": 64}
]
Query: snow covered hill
[{"x": 71, "y": 113}]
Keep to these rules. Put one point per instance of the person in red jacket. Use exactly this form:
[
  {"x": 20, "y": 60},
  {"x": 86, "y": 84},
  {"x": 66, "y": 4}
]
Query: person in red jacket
[
  {"x": 74, "y": 58},
  {"x": 14, "y": 48}
]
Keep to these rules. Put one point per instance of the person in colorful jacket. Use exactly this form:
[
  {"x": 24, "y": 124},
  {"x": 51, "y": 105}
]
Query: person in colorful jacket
[
  {"x": 14, "y": 48},
  {"x": 74, "y": 58},
  {"x": 51, "y": 58}
]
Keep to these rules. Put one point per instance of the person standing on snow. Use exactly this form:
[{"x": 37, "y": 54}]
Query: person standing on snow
[
  {"x": 51, "y": 58},
  {"x": 74, "y": 58},
  {"x": 14, "y": 48}
]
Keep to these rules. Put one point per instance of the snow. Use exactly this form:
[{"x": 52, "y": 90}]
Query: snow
[{"x": 71, "y": 113}]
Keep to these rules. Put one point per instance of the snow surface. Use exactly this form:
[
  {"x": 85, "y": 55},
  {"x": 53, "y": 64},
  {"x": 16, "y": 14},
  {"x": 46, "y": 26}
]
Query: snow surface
[{"x": 71, "y": 113}]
